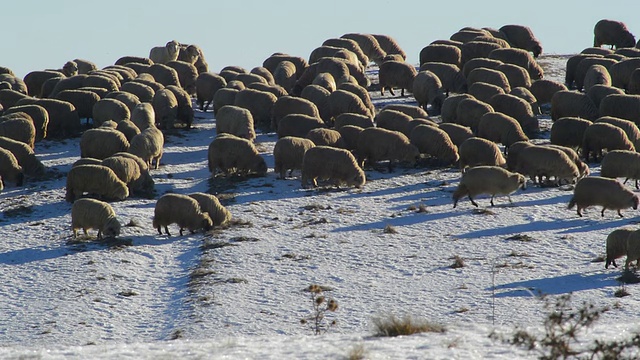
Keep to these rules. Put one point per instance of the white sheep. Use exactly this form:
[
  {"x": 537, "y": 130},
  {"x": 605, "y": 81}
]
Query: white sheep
[
  {"x": 484, "y": 91},
  {"x": 338, "y": 166},
  {"x": 428, "y": 91},
  {"x": 95, "y": 179},
  {"x": 232, "y": 154},
  {"x": 94, "y": 214},
  {"x": 393, "y": 120},
  {"x": 164, "y": 54},
  {"x": 350, "y": 135},
  {"x": 492, "y": 180},
  {"x": 583, "y": 168},
  {"x": 148, "y": 145},
  {"x": 38, "y": 114},
  {"x": 220, "y": 216},
  {"x": 236, "y": 121},
  {"x": 143, "y": 116},
  {"x": 181, "y": 210},
  {"x": 259, "y": 103},
  {"x": 342, "y": 101},
  {"x": 319, "y": 96},
  {"x": 18, "y": 126},
  {"x": 10, "y": 169},
  {"x": 288, "y": 153},
  {"x": 285, "y": 75},
  {"x": 165, "y": 107},
  {"x": 101, "y": 143},
  {"x": 207, "y": 84},
  {"x": 605, "y": 192}
]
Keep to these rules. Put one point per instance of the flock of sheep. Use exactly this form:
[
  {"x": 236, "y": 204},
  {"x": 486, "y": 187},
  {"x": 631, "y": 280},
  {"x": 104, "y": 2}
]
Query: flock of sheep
[{"x": 478, "y": 97}]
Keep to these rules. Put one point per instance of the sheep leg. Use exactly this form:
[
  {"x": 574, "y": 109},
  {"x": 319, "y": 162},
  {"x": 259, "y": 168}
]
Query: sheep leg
[
  {"x": 160, "y": 230},
  {"x": 181, "y": 231},
  {"x": 637, "y": 185},
  {"x": 166, "y": 229},
  {"x": 391, "y": 90},
  {"x": 75, "y": 233},
  {"x": 473, "y": 202},
  {"x": 579, "y": 211},
  {"x": 492, "y": 200},
  {"x": 99, "y": 234},
  {"x": 619, "y": 214}
]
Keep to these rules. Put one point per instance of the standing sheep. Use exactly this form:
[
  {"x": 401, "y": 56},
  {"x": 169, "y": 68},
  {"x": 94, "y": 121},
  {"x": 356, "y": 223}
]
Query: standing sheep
[
  {"x": 621, "y": 163},
  {"x": 616, "y": 245},
  {"x": 109, "y": 109},
  {"x": 396, "y": 74},
  {"x": 369, "y": 46},
  {"x": 285, "y": 75},
  {"x": 629, "y": 127},
  {"x": 10, "y": 169},
  {"x": 164, "y": 54},
  {"x": 18, "y": 126},
  {"x": 522, "y": 37},
  {"x": 181, "y": 210},
  {"x": 516, "y": 75},
  {"x": 101, "y": 143},
  {"x": 288, "y": 153},
  {"x": 326, "y": 137},
  {"x": 184, "y": 114},
  {"x": 518, "y": 109},
  {"x": 350, "y": 135},
  {"x": 470, "y": 111},
  {"x": 393, "y": 120},
  {"x": 484, "y": 91},
  {"x": 38, "y": 114},
  {"x": 298, "y": 125},
  {"x": 377, "y": 144},
  {"x": 489, "y": 76},
  {"x": 476, "y": 151},
  {"x": 210, "y": 204},
  {"x": 335, "y": 165},
  {"x": 596, "y": 75},
  {"x": 207, "y": 84},
  {"x": 232, "y": 154},
  {"x": 148, "y": 145},
  {"x": 450, "y": 106},
  {"x": 492, "y": 180},
  {"x": 187, "y": 75},
  {"x": 569, "y": 131},
  {"x": 94, "y": 214},
  {"x": 342, "y": 101},
  {"x": 389, "y": 45},
  {"x": 224, "y": 96},
  {"x": 621, "y": 106},
  {"x": 598, "y": 92},
  {"x": 457, "y": 133},
  {"x": 287, "y": 105},
  {"x": 428, "y": 90},
  {"x": 431, "y": 140},
  {"x": 568, "y": 103},
  {"x": 95, "y": 179},
  {"x": 608, "y": 193},
  {"x": 165, "y": 106},
  {"x": 614, "y": 33},
  {"x": 259, "y": 103},
  {"x": 451, "y": 76},
  {"x": 236, "y": 121},
  {"x": 603, "y": 136},
  {"x": 501, "y": 128},
  {"x": 540, "y": 162},
  {"x": 441, "y": 53},
  {"x": 633, "y": 250},
  {"x": 519, "y": 57},
  {"x": 25, "y": 156},
  {"x": 526, "y": 95},
  {"x": 143, "y": 116},
  {"x": 319, "y": 96}
]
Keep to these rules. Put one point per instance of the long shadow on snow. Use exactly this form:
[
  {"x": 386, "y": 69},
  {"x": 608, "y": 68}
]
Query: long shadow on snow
[
  {"x": 557, "y": 285},
  {"x": 399, "y": 221}
]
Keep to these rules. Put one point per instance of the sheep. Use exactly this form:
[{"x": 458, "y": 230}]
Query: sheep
[
  {"x": 466, "y": 35},
  {"x": 248, "y": 79},
  {"x": 490, "y": 76},
  {"x": 608, "y": 193},
  {"x": 143, "y": 116},
  {"x": 476, "y": 151},
  {"x": 276, "y": 90},
  {"x": 165, "y": 107},
  {"x": 596, "y": 74},
  {"x": 350, "y": 45},
  {"x": 450, "y": 105},
  {"x": 477, "y": 49},
  {"x": 70, "y": 83},
  {"x": 568, "y": 103},
  {"x": 184, "y": 114},
  {"x": 259, "y": 103},
  {"x": 389, "y": 45},
  {"x": 431, "y": 140},
  {"x": 342, "y": 101},
  {"x": 272, "y": 62},
  {"x": 633, "y": 250},
  {"x": 517, "y": 108},
  {"x": 396, "y": 74},
  {"x": 298, "y": 125},
  {"x": 132, "y": 171},
  {"x": 10, "y": 169},
  {"x": 222, "y": 97},
  {"x": 82, "y": 100},
  {"x": 441, "y": 53},
  {"x": 413, "y": 111},
  {"x": 597, "y": 51},
  {"x": 236, "y": 121},
  {"x": 94, "y": 179},
  {"x": 15, "y": 83},
  {"x": 598, "y": 92},
  {"x": 369, "y": 46},
  {"x": 164, "y": 54},
  {"x": 614, "y": 33},
  {"x": 469, "y": 111},
  {"x": 285, "y": 75},
  {"x": 616, "y": 245},
  {"x": 473, "y": 64},
  {"x": 38, "y": 114},
  {"x": 583, "y": 168},
  {"x": 288, "y": 153},
  {"x": 35, "y": 79},
  {"x": 164, "y": 74},
  {"x": 101, "y": 143},
  {"x": 484, "y": 91},
  {"x": 544, "y": 89},
  {"x": 633, "y": 86},
  {"x": 393, "y": 120},
  {"x": 569, "y": 131},
  {"x": 210, "y": 204},
  {"x": 94, "y": 214},
  {"x": 234, "y": 155},
  {"x": 583, "y": 68},
  {"x": 182, "y": 210},
  {"x": 109, "y": 109},
  {"x": 265, "y": 73},
  {"x": 622, "y": 106},
  {"x": 326, "y": 137},
  {"x": 629, "y": 127},
  {"x": 522, "y": 37},
  {"x": 457, "y": 133},
  {"x": 18, "y": 126},
  {"x": 338, "y": 166},
  {"x": 350, "y": 135},
  {"x": 599, "y": 136},
  {"x": 361, "y": 92},
  {"x": 539, "y": 161},
  {"x": 333, "y": 66},
  {"x": 450, "y": 76},
  {"x": 147, "y": 79},
  {"x": 127, "y": 98},
  {"x": 492, "y": 180},
  {"x": 516, "y": 75},
  {"x": 25, "y": 156},
  {"x": 144, "y": 92},
  {"x": 148, "y": 146},
  {"x": 526, "y": 95},
  {"x": 621, "y": 163},
  {"x": 428, "y": 91},
  {"x": 501, "y": 128},
  {"x": 514, "y": 152},
  {"x": 377, "y": 144},
  {"x": 9, "y": 97},
  {"x": 628, "y": 52},
  {"x": 519, "y": 57},
  {"x": 621, "y": 72},
  {"x": 332, "y": 51},
  {"x": 101, "y": 80},
  {"x": 319, "y": 96},
  {"x": 133, "y": 59},
  {"x": 128, "y": 128},
  {"x": 291, "y": 105}
]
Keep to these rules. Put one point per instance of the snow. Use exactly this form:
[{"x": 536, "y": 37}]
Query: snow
[{"x": 239, "y": 292}]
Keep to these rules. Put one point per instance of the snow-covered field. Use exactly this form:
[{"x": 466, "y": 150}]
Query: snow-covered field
[{"x": 239, "y": 292}]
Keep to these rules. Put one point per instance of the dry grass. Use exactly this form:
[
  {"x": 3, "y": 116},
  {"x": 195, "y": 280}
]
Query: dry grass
[
  {"x": 458, "y": 262},
  {"x": 389, "y": 229},
  {"x": 393, "y": 326},
  {"x": 358, "y": 352}
]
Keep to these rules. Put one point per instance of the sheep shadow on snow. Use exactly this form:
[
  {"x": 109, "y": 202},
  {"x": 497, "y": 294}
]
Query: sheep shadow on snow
[{"x": 558, "y": 285}]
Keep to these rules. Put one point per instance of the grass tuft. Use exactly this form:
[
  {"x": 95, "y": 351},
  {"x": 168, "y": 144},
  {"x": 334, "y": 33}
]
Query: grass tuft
[{"x": 393, "y": 326}]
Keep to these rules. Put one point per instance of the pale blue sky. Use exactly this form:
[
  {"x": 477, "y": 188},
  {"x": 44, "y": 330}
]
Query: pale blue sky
[{"x": 45, "y": 34}]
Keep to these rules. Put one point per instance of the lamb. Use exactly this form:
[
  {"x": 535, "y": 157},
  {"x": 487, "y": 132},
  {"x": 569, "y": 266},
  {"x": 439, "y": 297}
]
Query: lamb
[
  {"x": 572, "y": 104},
  {"x": 598, "y": 92},
  {"x": 517, "y": 108},
  {"x": 25, "y": 156},
  {"x": 101, "y": 143},
  {"x": 396, "y": 74},
  {"x": 143, "y": 116},
  {"x": 633, "y": 250},
  {"x": 285, "y": 75},
  {"x": 501, "y": 128},
  {"x": 539, "y": 161},
  {"x": 484, "y": 91},
  {"x": 457, "y": 133},
  {"x": 377, "y": 144},
  {"x": 614, "y": 33},
  {"x": 616, "y": 245},
  {"x": 428, "y": 91},
  {"x": 288, "y": 153},
  {"x": 621, "y": 163},
  {"x": 389, "y": 45},
  {"x": 431, "y": 140},
  {"x": 164, "y": 54},
  {"x": 450, "y": 76},
  {"x": 469, "y": 112},
  {"x": 210, "y": 204},
  {"x": 338, "y": 166},
  {"x": 569, "y": 131},
  {"x": 476, "y": 151},
  {"x": 320, "y": 97},
  {"x": 38, "y": 114},
  {"x": 291, "y": 105},
  {"x": 608, "y": 193},
  {"x": 492, "y": 180},
  {"x": 519, "y": 57},
  {"x": 109, "y": 109},
  {"x": 359, "y": 120},
  {"x": 522, "y": 37},
  {"x": 326, "y": 137},
  {"x": 165, "y": 107},
  {"x": 544, "y": 89},
  {"x": 259, "y": 103},
  {"x": 236, "y": 121},
  {"x": 18, "y": 126},
  {"x": 350, "y": 135},
  {"x": 94, "y": 214},
  {"x": 599, "y": 136},
  {"x": 232, "y": 154},
  {"x": 342, "y": 101},
  {"x": 10, "y": 169},
  {"x": 148, "y": 146},
  {"x": 181, "y": 210},
  {"x": 393, "y": 120},
  {"x": 622, "y": 106},
  {"x": 298, "y": 125},
  {"x": 95, "y": 179},
  {"x": 450, "y": 106}
]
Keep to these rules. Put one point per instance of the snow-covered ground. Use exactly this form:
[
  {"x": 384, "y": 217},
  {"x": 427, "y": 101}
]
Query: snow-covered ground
[{"x": 239, "y": 292}]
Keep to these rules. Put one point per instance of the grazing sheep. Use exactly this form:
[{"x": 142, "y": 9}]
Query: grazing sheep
[
  {"x": 10, "y": 169},
  {"x": 338, "y": 166},
  {"x": 598, "y": 92},
  {"x": 467, "y": 35},
  {"x": 265, "y": 73},
  {"x": 9, "y": 97},
  {"x": 361, "y": 92},
  {"x": 320, "y": 97},
  {"x": 629, "y": 127},
  {"x": 142, "y": 91},
  {"x": 601, "y": 136},
  {"x": 164, "y": 54},
  {"x": 332, "y": 51},
  {"x": 514, "y": 153},
  {"x": 101, "y": 81},
  {"x": 236, "y": 121},
  {"x": 298, "y": 125},
  {"x": 38, "y": 114},
  {"x": 526, "y": 95},
  {"x": 451, "y": 76},
  {"x": 492, "y": 180},
  {"x": 457, "y": 133},
  {"x": 377, "y": 144},
  {"x": 369, "y": 46},
  {"x": 333, "y": 66},
  {"x": 522, "y": 37},
  {"x": 477, "y": 49},
  {"x": 569, "y": 131},
  {"x": 94, "y": 214},
  {"x": 539, "y": 162},
  {"x": 181, "y": 210},
  {"x": 441, "y": 53},
  {"x": 567, "y": 103},
  {"x": 288, "y": 153},
  {"x": 276, "y": 90},
  {"x": 616, "y": 245},
  {"x": 633, "y": 250},
  {"x": 222, "y": 97},
  {"x": 259, "y": 103},
  {"x": 285, "y": 75},
  {"x": 389, "y": 45},
  {"x": 187, "y": 75},
  {"x": 248, "y": 79},
  {"x": 184, "y": 113},
  {"x": 232, "y": 154},
  {"x": 621, "y": 72},
  {"x": 608, "y": 193},
  {"x": 350, "y": 45},
  {"x": 350, "y": 135},
  {"x": 544, "y": 89},
  {"x": 450, "y": 107},
  {"x": 95, "y": 179},
  {"x": 621, "y": 106},
  {"x": 272, "y": 62},
  {"x": 101, "y": 143},
  {"x": 63, "y": 117},
  {"x": 428, "y": 91},
  {"x": 516, "y": 75},
  {"x": 25, "y": 156},
  {"x": 287, "y": 105},
  {"x": 133, "y": 59},
  {"x": 476, "y": 151},
  {"x": 473, "y": 64},
  {"x": 342, "y": 101},
  {"x": 109, "y": 109},
  {"x": 396, "y": 74},
  {"x": 82, "y": 100},
  {"x": 489, "y": 76},
  {"x": 469, "y": 112},
  {"x": 393, "y": 120},
  {"x": 621, "y": 163},
  {"x": 210, "y": 204},
  {"x": 35, "y": 79},
  {"x": 583, "y": 168},
  {"x": 165, "y": 107},
  {"x": 143, "y": 116},
  {"x": 164, "y": 75},
  {"x": 413, "y": 111},
  {"x": 128, "y": 128},
  {"x": 518, "y": 109},
  {"x": 127, "y": 98},
  {"x": 585, "y": 64},
  {"x": 359, "y": 120},
  {"x": 633, "y": 86},
  {"x": 133, "y": 171},
  {"x": 596, "y": 75},
  {"x": 501, "y": 128},
  {"x": 614, "y": 33},
  {"x": 519, "y": 57},
  {"x": 433, "y": 141},
  {"x": 18, "y": 126},
  {"x": 326, "y": 137},
  {"x": 148, "y": 145},
  {"x": 484, "y": 91}
]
